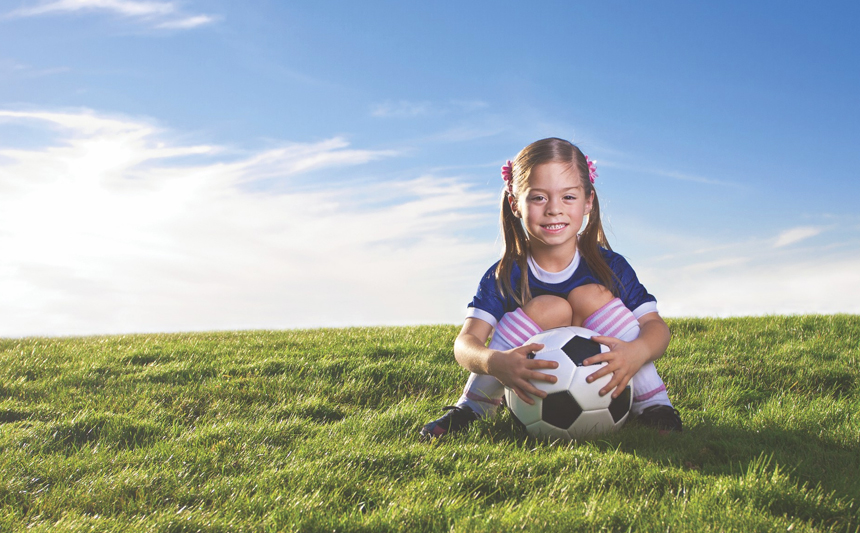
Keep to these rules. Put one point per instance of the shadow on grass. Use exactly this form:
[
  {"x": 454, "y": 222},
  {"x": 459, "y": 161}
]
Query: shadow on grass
[
  {"x": 722, "y": 450},
  {"x": 784, "y": 473}
]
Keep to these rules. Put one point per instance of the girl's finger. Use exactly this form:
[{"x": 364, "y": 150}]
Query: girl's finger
[
  {"x": 541, "y": 363},
  {"x": 620, "y": 388},
  {"x": 529, "y": 388},
  {"x": 597, "y": 374},
  {"x": 616, "y": 384},
  {"x": 531, "y": 348},
  {"x": 544, "y": 377},
  {"x": 609, "y": 341},
  {"x": 523, "y": 396},
  {"x": 599, "y": 358},
  {"x": 607, "y": 389}
]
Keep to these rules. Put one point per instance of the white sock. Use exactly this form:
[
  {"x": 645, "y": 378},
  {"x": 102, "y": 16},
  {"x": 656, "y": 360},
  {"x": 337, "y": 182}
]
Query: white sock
[
  {"x": 615, "y": 320},
  {"x": 483, "y": 393}
]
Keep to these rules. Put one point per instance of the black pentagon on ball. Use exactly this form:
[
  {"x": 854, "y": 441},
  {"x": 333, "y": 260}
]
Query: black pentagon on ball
[
  {"x": 559, "y": 409},
  {"x": 578, "y": 349},
  {"x": 619, "y": 406}
]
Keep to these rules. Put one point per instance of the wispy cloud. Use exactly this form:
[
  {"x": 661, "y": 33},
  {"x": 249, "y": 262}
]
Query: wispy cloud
[
  {"x": 715, "y": 264},
  {"x": 467, "y": 132},
  {"x": 410, "y": 109},
  {"x": 470, "y": 105},
  {"x": 11, "y": 68},
  {"x": 400, "y": 109},
  {"x": 795, "y": 235},
  {"x": 298, "y": 158},
  {"x": 681, "y": 176},
  {"x": 160, "y": 14},
  {"x": 114, "y": 228},
  {"x": 187, "y": 23}
]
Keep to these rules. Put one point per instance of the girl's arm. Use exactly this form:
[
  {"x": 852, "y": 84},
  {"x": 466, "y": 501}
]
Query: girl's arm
[
  {"x": 512, "y": 367},
  {"x": 626, "y": 358}
]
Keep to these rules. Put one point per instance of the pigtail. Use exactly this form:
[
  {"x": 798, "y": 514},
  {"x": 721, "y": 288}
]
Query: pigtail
[
  {"x": 516, "y": 252},
  {"x": 593, "y": 238}
]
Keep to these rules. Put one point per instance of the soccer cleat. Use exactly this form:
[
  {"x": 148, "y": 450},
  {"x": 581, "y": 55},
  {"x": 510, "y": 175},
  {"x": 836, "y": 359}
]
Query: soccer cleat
[
  {"x": 662, "y": 417},
  {"x": 457, "y": 418}
]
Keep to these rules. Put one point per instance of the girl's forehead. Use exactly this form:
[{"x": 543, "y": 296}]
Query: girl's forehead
[{"x": 554, "y": 174}]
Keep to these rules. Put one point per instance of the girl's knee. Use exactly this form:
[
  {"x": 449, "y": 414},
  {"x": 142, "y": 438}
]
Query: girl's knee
[
  {"x": 587, "y": 299},
  {"x": 549, "y": 311}
]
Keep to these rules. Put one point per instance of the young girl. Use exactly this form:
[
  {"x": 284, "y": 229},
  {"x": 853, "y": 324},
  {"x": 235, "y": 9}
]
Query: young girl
[{"x": 551, "y": 275}]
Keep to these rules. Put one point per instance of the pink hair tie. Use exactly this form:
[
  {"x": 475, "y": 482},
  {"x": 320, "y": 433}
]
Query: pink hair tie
[
  {"x": 592, "y": 169},
  {"x": 506, "y": 175}
]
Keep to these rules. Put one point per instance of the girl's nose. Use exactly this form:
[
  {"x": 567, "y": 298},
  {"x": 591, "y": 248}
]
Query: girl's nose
[{"x": 553, "y": 207}]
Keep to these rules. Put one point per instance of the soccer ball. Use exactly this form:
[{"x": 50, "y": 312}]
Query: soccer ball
[{"x": 573, "y": 409}]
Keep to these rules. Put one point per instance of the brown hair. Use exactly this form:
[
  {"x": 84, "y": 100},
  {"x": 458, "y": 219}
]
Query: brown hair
[{"x": 514, "y": 235}]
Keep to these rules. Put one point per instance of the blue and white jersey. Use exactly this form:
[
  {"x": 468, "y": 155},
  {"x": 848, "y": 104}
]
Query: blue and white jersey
[{"x": 489, "y": 305}]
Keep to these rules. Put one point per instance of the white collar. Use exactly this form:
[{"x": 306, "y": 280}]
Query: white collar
[{"x": 554, "y": 277}]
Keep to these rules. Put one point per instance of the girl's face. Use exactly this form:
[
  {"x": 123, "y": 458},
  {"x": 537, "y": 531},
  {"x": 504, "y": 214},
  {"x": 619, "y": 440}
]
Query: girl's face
[{"x": 553, "y": 206}]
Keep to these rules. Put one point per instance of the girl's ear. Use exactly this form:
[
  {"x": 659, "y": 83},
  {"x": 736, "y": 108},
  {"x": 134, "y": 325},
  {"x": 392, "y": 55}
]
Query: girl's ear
[
  {"x": 514, "y": 206},
  {"x": 588, "y": 203}
]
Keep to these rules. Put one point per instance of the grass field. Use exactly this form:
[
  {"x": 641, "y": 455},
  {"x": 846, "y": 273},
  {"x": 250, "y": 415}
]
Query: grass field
[{"x": 315, "y": 430}]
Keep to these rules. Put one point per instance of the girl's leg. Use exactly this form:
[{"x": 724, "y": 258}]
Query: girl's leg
[
  {"x": 483, "y": 393},
  {"x": 615, "y": 320}
]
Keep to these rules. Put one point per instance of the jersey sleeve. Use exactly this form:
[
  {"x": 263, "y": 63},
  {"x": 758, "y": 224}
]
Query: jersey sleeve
[
  {"x": 631, "y": 291},
  {"x": 488, "y": 304}
]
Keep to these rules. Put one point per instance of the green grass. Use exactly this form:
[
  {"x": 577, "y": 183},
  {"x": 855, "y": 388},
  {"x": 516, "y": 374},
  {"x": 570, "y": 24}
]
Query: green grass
[{"x": 315, "y": 430}]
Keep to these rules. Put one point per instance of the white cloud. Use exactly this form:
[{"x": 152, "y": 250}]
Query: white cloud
[
  {"x": 187, "y": 23},
  {"x": 129, "y": 8},
  {"x": 800, "y": 287},
  {"x": 161, "y": 14},
  {"x": 105, "y": 231},
  {"x": 693, "y": 276},
  {"x": 795, "y": 235}
]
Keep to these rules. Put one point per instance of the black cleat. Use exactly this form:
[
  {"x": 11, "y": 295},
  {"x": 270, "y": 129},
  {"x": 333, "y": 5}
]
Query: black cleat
[
  {"x": 456, "y": 419},
  {"x": 661, "y": 417}
]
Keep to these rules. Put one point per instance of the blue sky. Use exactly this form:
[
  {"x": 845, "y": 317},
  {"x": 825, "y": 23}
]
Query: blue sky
[{"x": 186, "y": 165}]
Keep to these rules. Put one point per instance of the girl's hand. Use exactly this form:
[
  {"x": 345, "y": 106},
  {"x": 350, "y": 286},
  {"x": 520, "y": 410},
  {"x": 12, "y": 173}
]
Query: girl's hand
[
  {"x": 514, "y": 369},
  {"x": 623, "y": 360}
]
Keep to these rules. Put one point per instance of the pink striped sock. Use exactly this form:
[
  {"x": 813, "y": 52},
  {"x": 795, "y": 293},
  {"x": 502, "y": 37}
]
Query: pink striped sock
[
  {"x": 514, "y": 330},
  {"x": 612, "y": 320}
]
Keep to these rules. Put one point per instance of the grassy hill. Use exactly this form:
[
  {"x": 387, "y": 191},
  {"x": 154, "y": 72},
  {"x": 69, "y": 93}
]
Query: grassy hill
[{"x": 316, "y": 430}]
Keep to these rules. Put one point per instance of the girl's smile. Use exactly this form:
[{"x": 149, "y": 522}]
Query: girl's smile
[{"x": 554, "y": 227}]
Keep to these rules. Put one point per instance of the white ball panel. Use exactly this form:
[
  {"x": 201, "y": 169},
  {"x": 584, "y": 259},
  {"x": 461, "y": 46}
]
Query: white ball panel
[
  {"x": 564, "y": 372},
  {"x": 588, "y": 394},
  {"x": 527, "y": 414}
]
